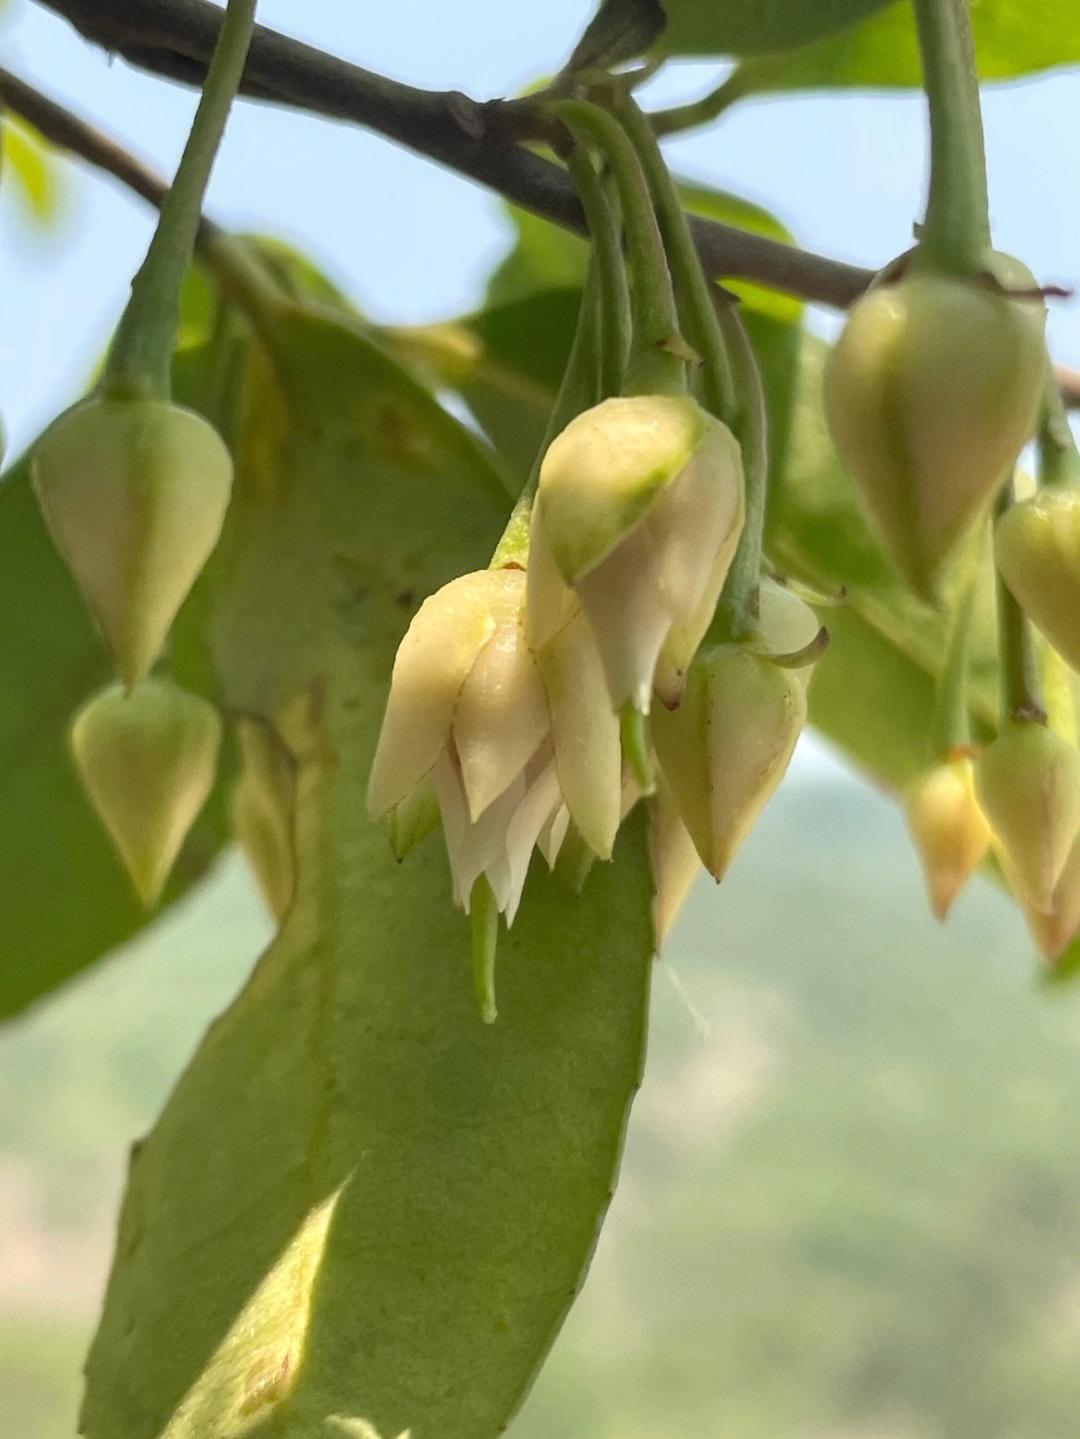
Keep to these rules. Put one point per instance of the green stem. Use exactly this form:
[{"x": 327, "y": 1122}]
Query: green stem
[
  {"x": 141, "y": 354},
  {"x": 696, "y": 309},
  {"x": 950, "y": 726},
  {"x": 578, "y": 391},
  {"x": 652, "y": 365},
  {"x": 736, "y": 614},
  {"x": 956, "y": 233},
  {"x": 1059, "y": 460},
  {"x": 635, "y": 746},
  {"x": 610, "y": 273},
  {"x": 484, "y": 923},
  {"x": 710, "y": 107},
  {"x": 1020, "y": 697}
]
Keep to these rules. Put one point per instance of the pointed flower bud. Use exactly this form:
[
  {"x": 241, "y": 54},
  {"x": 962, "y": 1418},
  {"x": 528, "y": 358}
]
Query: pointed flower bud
[
  {"x": 1028, "y": 786},
  {"x": 638, "y": 511},
  {"x": 1037, "y": 548},
  {"x": 514, "y": 747},
  {"x": 931, "y": 392},
  {"x": 951, "y": 834},
  {"x": 1053, "y": 930},
  {"x": 727, "y": 746},
  {"x": 134, "y": 493},
  {"x": 147, "y": 760}
]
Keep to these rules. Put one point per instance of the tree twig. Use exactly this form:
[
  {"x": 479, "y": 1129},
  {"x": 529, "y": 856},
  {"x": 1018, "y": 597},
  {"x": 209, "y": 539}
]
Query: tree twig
[{"x": 175, "y": 38}]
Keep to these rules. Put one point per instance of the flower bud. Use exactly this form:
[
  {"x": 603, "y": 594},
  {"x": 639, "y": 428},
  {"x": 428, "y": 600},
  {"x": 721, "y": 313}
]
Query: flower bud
[
  {"x": 950, "y": 831},
  {"x": 725, "y": 749},
  {"x": 146, "y": 760},
  {"x": 931, "y": 392},
  {"x": 262, "y": 811},
  {"x": 1037, "y": 548},
  {"x": 638, "y": 511},
  {"x": 134, "y": 493},
  {"x": 1028, "y": 785},
  {"x": 1053, "y": 930}
]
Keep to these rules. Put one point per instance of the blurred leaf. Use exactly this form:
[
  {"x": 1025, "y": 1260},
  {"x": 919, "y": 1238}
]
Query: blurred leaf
[
  {"x": 28, "y": 159},
  {"x": 742, "y": 27},
  {"x": 1012, "y": 37},
  {"x": 363, "y": 1211}
]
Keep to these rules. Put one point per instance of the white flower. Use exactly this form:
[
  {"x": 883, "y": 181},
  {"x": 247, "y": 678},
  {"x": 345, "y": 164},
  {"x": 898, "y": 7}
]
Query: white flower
[
  {"x": 515, "y": 746},
  {"x": 638, "y": 511}
]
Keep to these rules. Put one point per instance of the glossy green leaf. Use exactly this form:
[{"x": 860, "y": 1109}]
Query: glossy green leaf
[
  {"x": 363, "y": 1211},
  {"x": 1012, "y": 37},
  {"x": 742, "y": 27}
]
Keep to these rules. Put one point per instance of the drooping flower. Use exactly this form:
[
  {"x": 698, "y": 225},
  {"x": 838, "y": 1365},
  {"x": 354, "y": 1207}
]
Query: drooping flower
[
  {"x": 638, "y": 511},
  {"x": 515, "y": 745}
]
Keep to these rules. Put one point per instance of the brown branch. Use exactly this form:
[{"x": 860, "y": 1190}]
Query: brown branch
[{"x": 175, "y": 38}]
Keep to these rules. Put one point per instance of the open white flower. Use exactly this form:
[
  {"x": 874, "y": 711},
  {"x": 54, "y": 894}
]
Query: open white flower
[
  {"x": 515, "y": 746},
  {"x": 638, "y": 511}
]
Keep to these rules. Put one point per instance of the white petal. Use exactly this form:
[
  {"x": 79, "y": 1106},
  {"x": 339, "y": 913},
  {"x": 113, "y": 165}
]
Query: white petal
[
  {"x": 550, "y": 840},
  {"x": 501, "y": 717},
  {"x": 537, "y": 808},
  {"x": 433, "y": 661},
  {"x": 473, "y": 849},
  {"x": 585, "y": 733},
  {"x": 550, "y": 601}
]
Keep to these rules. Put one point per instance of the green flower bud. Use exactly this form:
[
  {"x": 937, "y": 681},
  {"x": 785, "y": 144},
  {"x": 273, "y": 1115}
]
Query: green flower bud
[
  {"x": 261, "y": 810},
  {"x": 638, "y": 511},
  {"x": 134, "y": 493},
  {"x": 931, "y": 392},
  {"x": 1053, "y": 930},
  {"x": 1037, "y": 547},
  {"x": 147, "y": 760},
  {"x": 727, "y": 746},
  {"x": 951, "y": 834},
  {"x": 1028, "y": 785}
]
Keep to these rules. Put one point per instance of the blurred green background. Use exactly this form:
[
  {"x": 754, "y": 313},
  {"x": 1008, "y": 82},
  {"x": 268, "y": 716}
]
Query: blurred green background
[{"x": 850, "y": 1203}]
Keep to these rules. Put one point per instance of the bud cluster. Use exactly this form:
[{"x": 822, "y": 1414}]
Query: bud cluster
[
  {"x": 512, "y": 687},
  {"x": 1019, "y": 798}
]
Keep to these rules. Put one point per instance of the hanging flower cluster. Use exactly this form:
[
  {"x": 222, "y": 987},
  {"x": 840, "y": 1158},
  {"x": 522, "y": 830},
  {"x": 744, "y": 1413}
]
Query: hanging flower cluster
[{"x": 507, "y": 689}]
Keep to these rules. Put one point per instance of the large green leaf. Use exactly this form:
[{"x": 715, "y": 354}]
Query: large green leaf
[
  {"x": 363, "y": 1211},
  {"x": 1012, "y": 37}
]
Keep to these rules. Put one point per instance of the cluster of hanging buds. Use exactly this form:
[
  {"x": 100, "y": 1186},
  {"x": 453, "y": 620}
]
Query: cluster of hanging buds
[
  {"x": 533, "y": 703},
  {"x": 134, "y": 489}
]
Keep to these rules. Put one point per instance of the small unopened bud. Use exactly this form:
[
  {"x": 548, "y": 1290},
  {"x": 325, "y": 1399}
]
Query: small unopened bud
[
  {"x": 134, "y": 493},
  {"x": 147, "y": 761},
  {"x": 1037, "y": 548},
  {"x": 1028, "y": 785},
  {"x": 950, "y": 831},
  {"x": 727, "y": 746},
  {"x": 1053, "y": 930}
]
